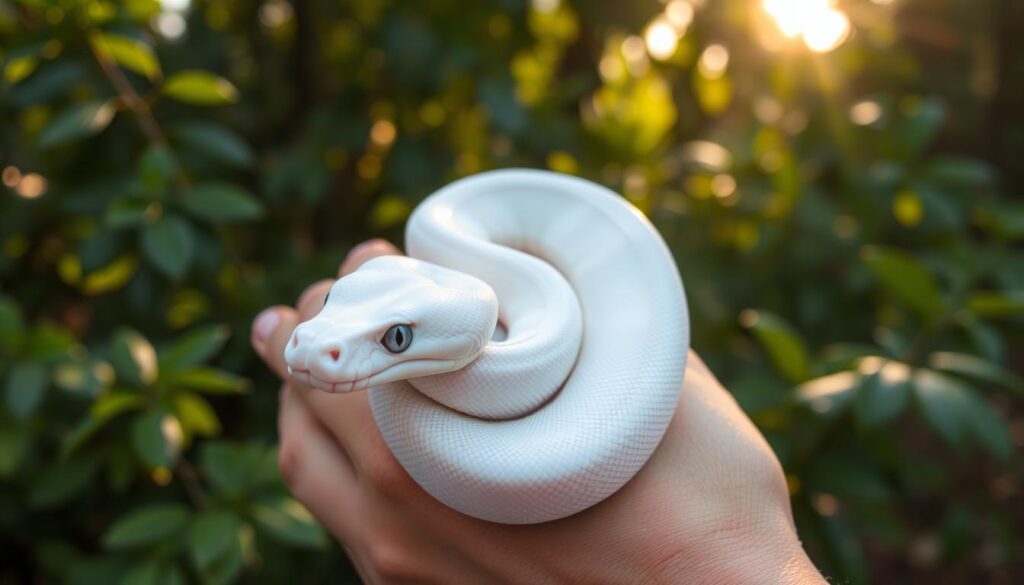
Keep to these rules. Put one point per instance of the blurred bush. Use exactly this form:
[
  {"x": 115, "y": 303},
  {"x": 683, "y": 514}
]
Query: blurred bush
[{"x": 852, "y": 262}]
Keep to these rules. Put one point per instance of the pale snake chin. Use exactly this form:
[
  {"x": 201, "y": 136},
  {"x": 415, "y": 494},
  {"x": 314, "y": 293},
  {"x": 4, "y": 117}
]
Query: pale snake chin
[{"x": 567, "y": 401}]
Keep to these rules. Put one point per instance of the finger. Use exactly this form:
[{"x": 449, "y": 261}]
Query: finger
[
  {"x": 365, "y": 251},
  {"x": 270, "y": 333},
  {"x": 346, "y": 416},
  {"x": 316, "y": 469},
  {"x": 312, "y": 299},
  {"x": 349, "y": 418}
]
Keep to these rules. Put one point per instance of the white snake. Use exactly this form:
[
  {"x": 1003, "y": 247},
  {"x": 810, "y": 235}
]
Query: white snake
[{"x": 561, "y": 404}]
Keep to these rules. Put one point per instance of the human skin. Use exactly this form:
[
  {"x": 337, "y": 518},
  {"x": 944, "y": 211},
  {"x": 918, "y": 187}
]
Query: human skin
[{"x": 710, "y": 506}]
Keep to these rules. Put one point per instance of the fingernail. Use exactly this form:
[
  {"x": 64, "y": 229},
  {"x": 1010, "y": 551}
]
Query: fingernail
[{"x": 262, "y": 327}]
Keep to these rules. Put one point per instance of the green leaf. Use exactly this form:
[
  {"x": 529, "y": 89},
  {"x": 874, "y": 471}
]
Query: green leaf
[
  {"x": 215, "y": 142},
  {"x": 55, "y": 556},
  {"x": 988, "y": 428},
  {"x": 26, "y": 387},
  {"x": 844, "y": 546},
  {"x": 60, "y": 482},
  {"x": 977, "y": 368},
  {"x": 99, "y": 250},
  {"x": 848, "y": 477},
  {"x": 156, "y": 167},
  {"x": 785, "y": 347},
  {"x": 846, "y": 355},
  {"x": 169, "y": 245},
  {"x": 155, "y": 572},
  {"x": 906, "y": 279},
  {"x": 714, "y": 93},
  {"x": 19, "y": 68},
  {"x": 133, "y": 358},
  {"x": 50, "y": 343},
  {"x": 11, "y": 324},
  {"x": 944, "y": 404},
  {"x": 78, "y": 121},
  {"x": 985, "y": 338},
  {"x": 147, "y": 525},
  {"x": 389, "y": 211},
  {"x": 221, "y": 203},
  {"x": 91, "y": 570},
  {"x": 988, "y": 304},
  {"x": 127, "y": 52},
  {"x": 212, "y": 535},
  {"x": 122, "y": 467},
  {"x": 157, "y": 437},
  {"x": 210, "y": 381},
  {"x": 957, "y": 531},
  {"x": 128, "y": 211},
  {"x": 196, "y": 415},
  {"x": 199, "y": 345},
  {"x": 235, "y": 468},
  {"x": 228, "y": 467},
  {"x": 923, "y": 117},
  {"x": 105, "y": 409},
  {"x": 200, "y": 88},
  {"x": 80, "y": 377},
  {"x": 960, "y": 171},
  {"x": 289, "y": 522},
  {"x": 639, "y": 115},
  {"x": 225, "y": 569},
  {"x": 50, "y": 81},
  {"x": 828, "y": 395},
  {"x": 1004, "y": 218},
  {"x": 13, "y": 446},
  {"x": 110, "y": 405},
  {"x": 144, "y": 10},
  {"x": 883, "y": 393}
]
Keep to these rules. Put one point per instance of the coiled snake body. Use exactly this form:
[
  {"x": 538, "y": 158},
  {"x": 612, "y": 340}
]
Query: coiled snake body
[{"x": 524, "y": 361}]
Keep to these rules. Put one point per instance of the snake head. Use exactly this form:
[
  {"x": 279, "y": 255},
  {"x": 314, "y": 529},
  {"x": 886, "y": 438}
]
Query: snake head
[{"x": 393, "y": 319}]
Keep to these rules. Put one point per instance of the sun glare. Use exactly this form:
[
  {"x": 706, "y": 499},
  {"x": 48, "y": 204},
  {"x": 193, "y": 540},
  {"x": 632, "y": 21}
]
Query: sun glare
[
  {"x": 819, "y": 23},
  {"x": 661, "y": 39}
]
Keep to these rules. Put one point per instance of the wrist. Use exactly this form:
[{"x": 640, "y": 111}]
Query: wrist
[{"x": 774, "y": 556}]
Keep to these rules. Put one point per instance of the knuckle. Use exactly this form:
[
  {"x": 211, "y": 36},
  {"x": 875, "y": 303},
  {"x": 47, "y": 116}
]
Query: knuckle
[
  {"x": 390, "y": 561},
  {"x": 311, "y": 299}
]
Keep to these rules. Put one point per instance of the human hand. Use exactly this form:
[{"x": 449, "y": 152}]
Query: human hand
[{"x": 710, "y": 506}]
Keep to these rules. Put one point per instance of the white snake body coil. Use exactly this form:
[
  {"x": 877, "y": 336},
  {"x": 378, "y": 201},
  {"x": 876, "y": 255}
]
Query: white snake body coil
[{"x": 559, "y": 406}]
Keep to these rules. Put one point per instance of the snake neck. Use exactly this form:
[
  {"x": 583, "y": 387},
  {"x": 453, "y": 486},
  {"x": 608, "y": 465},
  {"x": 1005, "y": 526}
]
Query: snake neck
[{"x": 538, "y": 310}]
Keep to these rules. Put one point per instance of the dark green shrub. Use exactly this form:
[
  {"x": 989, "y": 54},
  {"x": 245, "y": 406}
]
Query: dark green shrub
[{"x": 852, "y": 263}]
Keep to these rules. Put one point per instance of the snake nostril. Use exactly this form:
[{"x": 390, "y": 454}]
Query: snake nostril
[
  {"x": 295, "y": 340},
  {"x": 335, "y": 354}
]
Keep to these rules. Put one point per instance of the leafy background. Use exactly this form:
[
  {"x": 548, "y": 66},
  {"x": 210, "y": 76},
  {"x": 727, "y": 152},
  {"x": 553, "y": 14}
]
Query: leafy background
[{"x": 841, "y": 202}]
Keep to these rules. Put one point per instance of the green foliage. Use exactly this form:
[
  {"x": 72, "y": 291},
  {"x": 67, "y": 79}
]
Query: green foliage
[
  {"x": 200, "y": 88},
  {"x": 77, "y": 122},
  {"x": 845, "y": 222},
  {"x": 147, "y": 526}
]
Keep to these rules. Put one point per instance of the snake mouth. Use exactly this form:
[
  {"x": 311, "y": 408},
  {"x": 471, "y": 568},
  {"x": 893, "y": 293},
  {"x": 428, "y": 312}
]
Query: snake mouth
[{"x": 332, "y": 387}]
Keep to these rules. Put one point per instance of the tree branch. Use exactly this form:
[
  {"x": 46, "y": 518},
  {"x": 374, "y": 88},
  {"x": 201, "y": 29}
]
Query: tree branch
[{"x": 130, "y": 97}]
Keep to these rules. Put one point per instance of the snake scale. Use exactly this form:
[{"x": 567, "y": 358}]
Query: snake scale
[{"x": 525, "y": 359}]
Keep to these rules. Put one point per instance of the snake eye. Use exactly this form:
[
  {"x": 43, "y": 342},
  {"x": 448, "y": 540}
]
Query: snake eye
[{"x": 398, "y": 338}]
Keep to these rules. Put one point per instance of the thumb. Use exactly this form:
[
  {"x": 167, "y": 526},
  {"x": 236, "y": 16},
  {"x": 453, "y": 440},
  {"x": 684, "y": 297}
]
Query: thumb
[{"x": 271, "y": 331}]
